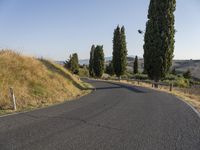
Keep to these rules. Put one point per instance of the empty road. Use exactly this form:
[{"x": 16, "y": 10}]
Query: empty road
[{"x": 114, "y": 117}]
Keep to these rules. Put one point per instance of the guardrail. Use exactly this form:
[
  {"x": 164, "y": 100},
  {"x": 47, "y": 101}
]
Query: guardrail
[{"x": 153, "y": 83}]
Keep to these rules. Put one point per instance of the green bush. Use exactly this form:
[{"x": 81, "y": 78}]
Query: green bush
[
  {"x": 182, "y": 82},
  {"x": 140, "y": 76},
  {"x": 171, "y": 77},
  {"x": 177, "y": 81},
  {"x": 83, "y": 72}
]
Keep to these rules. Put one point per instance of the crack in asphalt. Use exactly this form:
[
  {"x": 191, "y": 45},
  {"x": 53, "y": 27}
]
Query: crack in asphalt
[{"x": 78, "y": 120}]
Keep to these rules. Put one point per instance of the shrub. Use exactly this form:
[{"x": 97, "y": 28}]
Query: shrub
[
  {"x": 83, "y": 72},
  {"x": 141, "y": 76}
]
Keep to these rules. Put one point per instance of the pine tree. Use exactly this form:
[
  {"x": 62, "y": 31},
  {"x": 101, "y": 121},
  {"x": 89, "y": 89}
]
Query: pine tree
[
  {"x": 98, "y": 61},
  {"x": 67, "y": 63},
  {"x": 91, "y": 61},
  {"x": 119, "y": 51},
  {"x": 159, "y": 38},
  {"x": 135, "y": 65},
  {"x": 187, "y": 74}
]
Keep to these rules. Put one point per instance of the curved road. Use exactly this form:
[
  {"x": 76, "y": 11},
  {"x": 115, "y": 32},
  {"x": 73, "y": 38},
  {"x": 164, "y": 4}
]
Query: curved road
[{"x": 114, "y": 117}]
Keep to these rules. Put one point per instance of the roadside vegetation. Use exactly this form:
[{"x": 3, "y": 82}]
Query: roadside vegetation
[
  {"x": 36, "y": 82},
  {"x": 189, "y": 94}
]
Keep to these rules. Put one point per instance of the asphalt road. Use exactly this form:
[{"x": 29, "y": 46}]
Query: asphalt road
[{"x": 114, "y": 117}]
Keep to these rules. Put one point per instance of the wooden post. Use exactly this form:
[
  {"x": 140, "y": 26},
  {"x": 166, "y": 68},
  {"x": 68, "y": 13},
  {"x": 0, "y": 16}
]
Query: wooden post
[
  {"x": 171, "y": 87},
  {"x": 13, "y": 98}
]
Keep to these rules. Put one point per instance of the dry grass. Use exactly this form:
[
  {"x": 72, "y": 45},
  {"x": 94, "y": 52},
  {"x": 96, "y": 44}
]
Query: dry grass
[
  {"x": 36, "y": 82},
  {"x": 189, "y": 95}
]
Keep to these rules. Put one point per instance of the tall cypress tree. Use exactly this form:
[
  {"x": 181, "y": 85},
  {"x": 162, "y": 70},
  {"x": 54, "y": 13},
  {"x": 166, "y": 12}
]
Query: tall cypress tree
[
  {"x": 91, "y": 61},
  {"x": 98, "y": 61},
  {"x": 116, "y": 51},
  {"x": 159, "y": 38},
  {"x": 119, "y": 51},
  {"x": 123, "y": 51},
  {"x": 135, "y": 65}
]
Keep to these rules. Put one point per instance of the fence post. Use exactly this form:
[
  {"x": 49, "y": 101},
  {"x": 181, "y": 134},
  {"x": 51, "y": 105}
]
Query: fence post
[
  {"x": 171, "y": 87},
  {"x": 13, "y": 98}
]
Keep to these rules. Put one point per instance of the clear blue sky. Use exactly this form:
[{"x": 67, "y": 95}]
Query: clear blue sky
[{"x": 56, "y": 28}]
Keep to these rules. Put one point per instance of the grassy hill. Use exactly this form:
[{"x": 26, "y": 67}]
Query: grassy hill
[{"x": 36, "y": 82}]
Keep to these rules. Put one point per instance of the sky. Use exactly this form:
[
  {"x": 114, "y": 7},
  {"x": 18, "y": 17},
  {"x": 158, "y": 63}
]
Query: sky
[{"x": 54, "y": 29}]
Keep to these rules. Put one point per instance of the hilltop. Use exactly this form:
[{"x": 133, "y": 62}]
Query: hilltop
[
  {"x": 36, "y": 82},
  {"x": 181, "y": 66}
]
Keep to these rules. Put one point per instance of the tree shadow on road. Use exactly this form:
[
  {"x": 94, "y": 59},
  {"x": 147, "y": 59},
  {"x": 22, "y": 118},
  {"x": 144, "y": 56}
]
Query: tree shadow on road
[{"x": 116, "y": 86}]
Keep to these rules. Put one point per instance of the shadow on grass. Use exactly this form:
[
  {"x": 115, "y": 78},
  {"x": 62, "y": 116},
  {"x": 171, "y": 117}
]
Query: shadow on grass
[{"x": 56, "y": 69}]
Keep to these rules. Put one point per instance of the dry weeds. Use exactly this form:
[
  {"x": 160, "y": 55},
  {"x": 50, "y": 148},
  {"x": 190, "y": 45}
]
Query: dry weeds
[{"x": 36, "y": 83}]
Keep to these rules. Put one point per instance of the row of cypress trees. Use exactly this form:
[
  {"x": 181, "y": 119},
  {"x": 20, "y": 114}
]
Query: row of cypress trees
[
  {"x": 158, "y": 46},
  {"x": 96, "y": 62},
  {"x": 119, "y": 58}
]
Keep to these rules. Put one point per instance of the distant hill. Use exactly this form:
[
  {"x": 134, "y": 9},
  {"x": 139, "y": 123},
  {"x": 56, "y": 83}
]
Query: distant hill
[
  {"x": 86, "y": 61},
  {"x": 180, "y": 65},
  {"x": 184, "y": 65},
  {"x": 107, "y": 59}
]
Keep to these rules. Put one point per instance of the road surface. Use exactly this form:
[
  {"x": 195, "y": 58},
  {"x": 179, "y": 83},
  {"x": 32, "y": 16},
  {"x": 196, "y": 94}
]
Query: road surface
[{"x": 114, "y": 117}]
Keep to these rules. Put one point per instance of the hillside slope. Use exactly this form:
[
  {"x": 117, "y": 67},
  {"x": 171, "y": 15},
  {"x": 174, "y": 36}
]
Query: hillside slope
[{"x": 36, "y": 82}]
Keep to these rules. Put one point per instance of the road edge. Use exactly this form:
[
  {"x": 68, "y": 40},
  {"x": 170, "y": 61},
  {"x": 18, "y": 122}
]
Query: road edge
[
  {"x": 179, "y": 98},
  {"x": 45, "y": 107}
]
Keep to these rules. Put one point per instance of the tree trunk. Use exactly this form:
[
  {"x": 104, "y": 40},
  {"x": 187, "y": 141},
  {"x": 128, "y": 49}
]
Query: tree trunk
[{"x": 156, "y": 83}]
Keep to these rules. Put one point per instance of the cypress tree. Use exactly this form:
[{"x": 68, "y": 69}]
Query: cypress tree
[
  {"x": 116, "y": 54},
  {"x": 98, "y": 61},
  {"x": 119, "y": 51},
  {"x": 123, "y": 51},
  {"x": 91, "y": 61},
  {"x": 75, "y": 63},
  {"x": 110, "y": 69},
  {"x": 135, "y": 65},
  {"x": 159, "y": 38},
  {"x": 187, "y": 74},
  {"x": 72, "y": 64}
]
